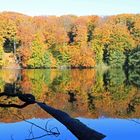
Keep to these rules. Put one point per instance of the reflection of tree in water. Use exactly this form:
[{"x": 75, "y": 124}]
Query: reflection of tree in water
[
  {"x": 114, "y": 77},
  {"x": 60, "y": 81},
  {"x": 72, "y": 97},
  {"x": 134, "y": 77},
  {"x": 109, "y": 87},
  {"x": 55, "y": 84},
  {"x": 74, "y": 125},
  {"x": 11, "y": 91},
  {"x": 91, "y": 105},
  {"x": 114, "y": 82},
  {"x": 106, "y": 79},
  {"x": 80, "y": 130},
  {"x": 9, "y": 77},
  {"x": 134, "y": 102},
  {"x": 78, "y": 92},
  {"x": 13, "y": 97},
  {"x": 35, "y": 81},
  {"x": 118, "y": 97},
  {"x": 11, "y": 86},
  {"x": 99, "y": 82}
]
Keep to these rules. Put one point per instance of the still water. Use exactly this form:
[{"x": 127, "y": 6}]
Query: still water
[{"x": 108, "y": 102}]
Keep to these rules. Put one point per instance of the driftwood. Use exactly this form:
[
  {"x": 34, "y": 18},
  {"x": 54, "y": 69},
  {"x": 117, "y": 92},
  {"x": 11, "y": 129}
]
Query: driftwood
[{"x": 80, "y": 130}]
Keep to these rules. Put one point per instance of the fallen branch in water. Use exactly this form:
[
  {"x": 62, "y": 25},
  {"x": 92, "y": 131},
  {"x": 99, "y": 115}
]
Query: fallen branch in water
[
  {"x": 80, "y": 130},
  {"x": 47, "y": 132}
]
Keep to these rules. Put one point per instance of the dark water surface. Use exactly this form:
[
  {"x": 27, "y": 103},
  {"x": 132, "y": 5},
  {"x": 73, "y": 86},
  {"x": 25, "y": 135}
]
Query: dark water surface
[{"x": 108, "y": 102}]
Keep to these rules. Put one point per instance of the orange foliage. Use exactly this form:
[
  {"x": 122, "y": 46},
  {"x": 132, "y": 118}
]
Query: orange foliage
[{"x": 81, "y": 56}]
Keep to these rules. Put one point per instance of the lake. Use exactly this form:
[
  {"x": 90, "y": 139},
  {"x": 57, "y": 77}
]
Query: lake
[{"x": 107, "y": 101}]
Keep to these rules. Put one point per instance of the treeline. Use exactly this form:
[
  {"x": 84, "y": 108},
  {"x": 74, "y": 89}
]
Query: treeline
[{"x": 71, "y": 41}]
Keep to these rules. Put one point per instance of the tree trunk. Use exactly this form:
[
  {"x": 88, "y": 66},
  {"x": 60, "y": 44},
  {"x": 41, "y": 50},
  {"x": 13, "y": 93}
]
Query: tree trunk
[{"x": 80, "y": 130}]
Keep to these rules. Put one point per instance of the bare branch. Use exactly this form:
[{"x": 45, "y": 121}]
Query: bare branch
[
  {"x": 48, "y": 132},
  {"x": 134, "y": 121}
]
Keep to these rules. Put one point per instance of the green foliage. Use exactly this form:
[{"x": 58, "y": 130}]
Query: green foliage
[
  {"x": 98, "y": 87},
  {"x": 40, "y": 58},
  {"x": 98, "y": 49},
  {"x": 61, "y": 55},
  {"x": 116, "y": 58},
  {"x": 134, "y": 77},
  {"x": 134, "y": 58},
  {"x": 8, "y": 33},
  {"x": 115, "y": 83},
  {"x": 39, "y": 80},
  {"x": 1, "y": 56},
  {"x": 60, "y": 81}
]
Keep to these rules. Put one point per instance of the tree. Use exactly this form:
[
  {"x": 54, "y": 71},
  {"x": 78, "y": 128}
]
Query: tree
[
  {"x": 81, "y": 56},
  {"x": 134, "y": 58},
  {"x": 64, "y": 39},
  {"x": 40, "y": 56},
  {"x": 111, "y": 41},
  {"x": 8, "y": 32}
]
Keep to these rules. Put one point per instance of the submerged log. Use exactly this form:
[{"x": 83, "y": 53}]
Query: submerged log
[{"x": 80, "y": 130}]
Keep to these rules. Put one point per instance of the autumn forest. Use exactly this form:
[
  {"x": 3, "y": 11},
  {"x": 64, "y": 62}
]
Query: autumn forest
[{"x": 69, "y": 41}]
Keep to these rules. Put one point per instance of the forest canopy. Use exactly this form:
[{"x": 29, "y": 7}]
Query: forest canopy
[{"x": 70, "y": 41}]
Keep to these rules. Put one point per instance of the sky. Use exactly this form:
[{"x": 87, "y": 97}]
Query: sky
[{"x": 74, "y": 7}]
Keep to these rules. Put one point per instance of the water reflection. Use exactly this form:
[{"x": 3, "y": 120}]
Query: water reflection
[{"x": 81, "y": 93}]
